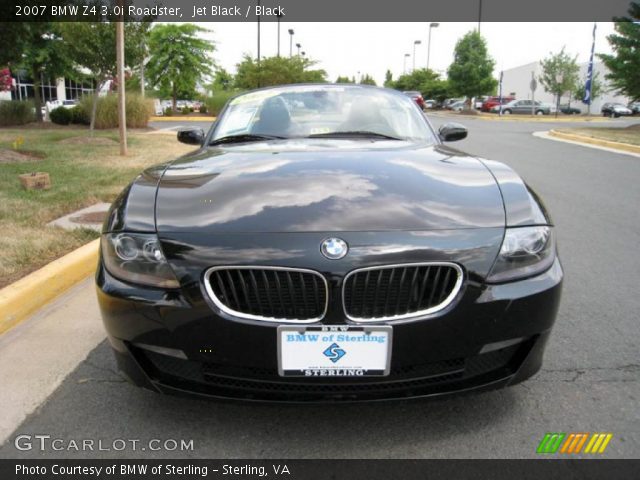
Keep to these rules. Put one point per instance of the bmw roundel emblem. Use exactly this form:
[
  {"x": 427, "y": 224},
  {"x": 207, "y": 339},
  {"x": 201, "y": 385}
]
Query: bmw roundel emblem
[{"x": 334, "y": 248}]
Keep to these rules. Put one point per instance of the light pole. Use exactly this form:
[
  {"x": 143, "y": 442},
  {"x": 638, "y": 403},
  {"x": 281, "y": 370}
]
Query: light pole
[
  {"x": 404, "y": 67},
  {"x": 291, "y": 32},
  {"x": 258, "y": 33},
  {"x": 479, "y": 15},
  {"x": 298, "y": 46},
  {"x": 432, "y": 25},
  {"x": 279, "y": 17},
  {"x": 416, "y": 42}
]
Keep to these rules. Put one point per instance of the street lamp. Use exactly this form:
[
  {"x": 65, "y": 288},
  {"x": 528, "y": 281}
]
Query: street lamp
[
  {"x": 279, "y": 16},
  {"x": 404, "y": 67},
  {"x": 416, "y": 42},
  {"x": 303, "y": 53},
  {"x": 432, "y": 25},
  {"x": 298, "y": 46},
  {"x": 291, "y": 32}
]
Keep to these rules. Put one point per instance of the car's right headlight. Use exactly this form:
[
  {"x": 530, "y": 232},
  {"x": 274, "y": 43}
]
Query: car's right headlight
[
  {"x": 137, "y": 258},
  {"x": 525, "y": 251}
]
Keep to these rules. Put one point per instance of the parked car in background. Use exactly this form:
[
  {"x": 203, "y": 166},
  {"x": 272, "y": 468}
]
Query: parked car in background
[
  {"x": 457, "y": 107},
  {"x": 450, "y": 101},
  {"x": 417, "y": 97},
  {"x": 491, "y": 102},
  {"x": 569, "y": 110},
  {"x": 525, "y": 107},
  {"x": 431, "y": 104},
  {"x": 634, "y": 107},
  {"x": 478, "y": 101},
  {"x": 615, "y": 110}
]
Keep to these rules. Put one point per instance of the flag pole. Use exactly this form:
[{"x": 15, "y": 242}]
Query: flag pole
[{"x": 589, "y": 82}]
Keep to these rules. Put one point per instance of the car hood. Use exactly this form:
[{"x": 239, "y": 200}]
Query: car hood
[{"x": 327, "y": 186}]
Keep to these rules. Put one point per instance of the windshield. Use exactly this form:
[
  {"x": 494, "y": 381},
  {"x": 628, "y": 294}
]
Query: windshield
[{"x": 321, "y": 111}]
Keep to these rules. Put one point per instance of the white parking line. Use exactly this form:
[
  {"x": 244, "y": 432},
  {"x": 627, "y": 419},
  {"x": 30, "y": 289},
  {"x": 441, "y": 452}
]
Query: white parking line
[
  {"x": 546, "y": 136},
  {"x": 37, "y": 355}
]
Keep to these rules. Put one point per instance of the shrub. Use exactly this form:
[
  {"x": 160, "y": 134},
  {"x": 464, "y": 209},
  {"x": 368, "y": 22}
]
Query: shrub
[
  {"x": 14, "y": 112},
  {"x": 186, "y": 110},
  {"x": 217, "y": 101},
  {"x": 203, "y": 108},
  {"x": 139, "y": 110},
  {"x": 79, "y": 116},
  {"x": 168, "y": 112},
  {"x": 61, "y": 116}
]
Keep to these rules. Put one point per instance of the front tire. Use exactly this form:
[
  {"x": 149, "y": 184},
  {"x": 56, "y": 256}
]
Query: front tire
[
  {"x": 506, "y": 112},
  {"x": 539, "y": 112}
]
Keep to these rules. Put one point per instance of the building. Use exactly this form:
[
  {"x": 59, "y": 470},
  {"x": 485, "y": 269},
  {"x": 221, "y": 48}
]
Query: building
[
  {"x": 516, "y": 81},
  {"x": 51, "y": 90}
]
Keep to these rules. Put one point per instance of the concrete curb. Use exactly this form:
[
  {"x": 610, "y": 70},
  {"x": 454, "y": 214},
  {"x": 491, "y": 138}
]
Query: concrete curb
[
  {"x": 626, "y": 147},
  {"x": 180, "y": 118},
  {"x": 22, "y": 298}
]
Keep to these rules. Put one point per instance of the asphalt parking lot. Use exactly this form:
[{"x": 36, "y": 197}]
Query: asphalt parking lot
[{"x": 590, "y": 380}]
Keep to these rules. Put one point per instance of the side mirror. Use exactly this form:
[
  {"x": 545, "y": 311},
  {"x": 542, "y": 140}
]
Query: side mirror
[
  {"x": 451, "y": 132},
  {"x": 191, "y": 136}
]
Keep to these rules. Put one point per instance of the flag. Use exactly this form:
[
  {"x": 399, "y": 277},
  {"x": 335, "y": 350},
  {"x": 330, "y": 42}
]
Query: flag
[{"x": 587, "y": 86}]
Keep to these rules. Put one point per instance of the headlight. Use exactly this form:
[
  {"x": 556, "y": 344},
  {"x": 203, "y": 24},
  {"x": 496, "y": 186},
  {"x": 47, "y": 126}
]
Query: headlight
[
  {"x": 525, "y": 251},
  {"x": 137, "y": 258}
]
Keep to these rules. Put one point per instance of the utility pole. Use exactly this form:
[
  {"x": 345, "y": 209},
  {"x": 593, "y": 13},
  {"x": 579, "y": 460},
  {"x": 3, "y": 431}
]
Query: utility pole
[
  {"x": 122, "y": 113},
  {"x": 479, "y": 16}
]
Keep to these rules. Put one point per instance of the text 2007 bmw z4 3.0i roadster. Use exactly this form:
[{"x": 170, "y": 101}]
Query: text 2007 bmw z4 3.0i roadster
[{"x": 323, "y": 245}]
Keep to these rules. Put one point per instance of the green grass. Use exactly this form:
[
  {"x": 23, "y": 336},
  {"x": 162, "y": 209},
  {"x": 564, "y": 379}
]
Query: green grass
[{"x": 81, "y": 175}]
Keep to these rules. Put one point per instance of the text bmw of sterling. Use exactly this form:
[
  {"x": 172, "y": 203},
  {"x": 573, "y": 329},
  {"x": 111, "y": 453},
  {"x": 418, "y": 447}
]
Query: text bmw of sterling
[
  {"x": 143, "y": 469},
  {"x": 323, "y": 244}
]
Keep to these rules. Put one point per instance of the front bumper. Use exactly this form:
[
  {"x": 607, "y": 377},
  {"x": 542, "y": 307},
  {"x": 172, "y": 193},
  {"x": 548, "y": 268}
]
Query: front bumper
[{"x": 167, "y": 342}]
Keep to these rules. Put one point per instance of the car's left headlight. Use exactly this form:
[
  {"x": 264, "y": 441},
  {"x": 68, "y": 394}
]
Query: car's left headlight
[
  {"x": 525, "y": 251},
  {"x": 137, "y": 258}
]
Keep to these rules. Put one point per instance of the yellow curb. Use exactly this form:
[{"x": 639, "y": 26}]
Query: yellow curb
[
  {"x": 22, "y": 298},
  {"x": 180, "y": 118},
  {"x": 627, "y": 147}
]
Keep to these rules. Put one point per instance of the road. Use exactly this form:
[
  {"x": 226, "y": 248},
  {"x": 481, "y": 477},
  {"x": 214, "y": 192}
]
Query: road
[{"x": 589, "y": 381}]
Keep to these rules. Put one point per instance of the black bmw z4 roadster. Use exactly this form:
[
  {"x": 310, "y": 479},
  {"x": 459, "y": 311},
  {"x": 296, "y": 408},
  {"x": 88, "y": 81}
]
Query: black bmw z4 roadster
[{"x": 322, "y": 244}]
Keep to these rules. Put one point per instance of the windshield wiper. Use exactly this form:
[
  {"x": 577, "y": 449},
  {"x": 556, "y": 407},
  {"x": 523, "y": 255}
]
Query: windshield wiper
[
  {"x": 244, "y": 137},
  {"x": 354, "y": 133}
]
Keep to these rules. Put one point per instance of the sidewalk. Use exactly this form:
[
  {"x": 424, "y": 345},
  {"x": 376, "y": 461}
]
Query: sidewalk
[{"x": 37, "y": 355}]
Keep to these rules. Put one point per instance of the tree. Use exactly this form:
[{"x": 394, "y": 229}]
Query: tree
[
  {"x": 92, "y": 46},
  {"x": 43, "y": 55},
  {"x": 388, "y": 79},
  {"x": 559, "y": 73},
  {"x": 598, "y": 88},
  {"x": 471, "y": 73},
  {"x": 277, "y": 71},
  {"x": 367, "y": 79},
  {"x": 222, "y": 80},
  {"x": 422, "y": 80},
  {"x": 624, "y": 64},
  {"x": 344, "y": 79},
  {"x": 178, "y": 58}
]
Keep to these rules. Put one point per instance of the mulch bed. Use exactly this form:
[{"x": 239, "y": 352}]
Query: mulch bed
[{"x": 18, "y": 156}]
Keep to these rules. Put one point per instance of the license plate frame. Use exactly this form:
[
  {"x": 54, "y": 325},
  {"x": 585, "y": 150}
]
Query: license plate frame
[{"x": 322, "y": 365}]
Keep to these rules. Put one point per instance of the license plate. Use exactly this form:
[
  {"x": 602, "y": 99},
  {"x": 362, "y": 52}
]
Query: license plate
[{"x": 334, "y": 351}]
